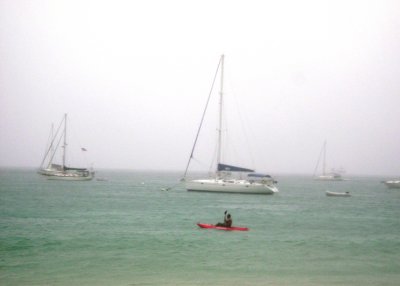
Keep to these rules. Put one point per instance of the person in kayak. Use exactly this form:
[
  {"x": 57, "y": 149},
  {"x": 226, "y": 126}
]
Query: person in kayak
[{"x": 227, "y": 221}]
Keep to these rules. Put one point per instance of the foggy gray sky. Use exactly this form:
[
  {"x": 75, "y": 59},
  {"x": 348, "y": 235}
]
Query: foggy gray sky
[{"x": 134, "y": 76}]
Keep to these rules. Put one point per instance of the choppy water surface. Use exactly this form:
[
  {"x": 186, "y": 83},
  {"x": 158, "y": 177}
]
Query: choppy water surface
[{"x": 126, "y": 231}]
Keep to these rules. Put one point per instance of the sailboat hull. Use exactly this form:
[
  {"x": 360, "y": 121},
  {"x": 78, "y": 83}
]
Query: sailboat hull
[
  {"x": 70, "y": 177},
  {"x": 59, "y": 178},
  {"x": 230, "y": 186},
  {"x": 392, "y": 184},
  {"x": 329, "y": 178}
]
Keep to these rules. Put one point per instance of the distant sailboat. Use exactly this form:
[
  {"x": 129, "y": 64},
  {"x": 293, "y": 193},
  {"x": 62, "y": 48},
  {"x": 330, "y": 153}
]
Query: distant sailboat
[
  {"x": 326, "y": 176},
  {"x": 61, "y": 171},
  {"x": 222, "y": 181},
  {"x": 392, "y": 184}
]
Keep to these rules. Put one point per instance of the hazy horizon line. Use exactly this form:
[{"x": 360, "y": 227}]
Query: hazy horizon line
[{"x": 276, "y": 174}]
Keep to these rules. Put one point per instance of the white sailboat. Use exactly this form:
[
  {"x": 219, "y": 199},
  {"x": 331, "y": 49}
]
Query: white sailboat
[
  {"x": 61, "y": 171},
  {"x": 392, "y": 184},
  {"x": 222, "y": 180},
  {"x": 326, "y": 176}
]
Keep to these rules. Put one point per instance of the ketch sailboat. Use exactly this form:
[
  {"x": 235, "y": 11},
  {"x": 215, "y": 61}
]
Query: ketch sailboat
[
  {"x": 222, "y": 180},
  {"x": 61, "y": 171},
  {"x": 326, "y": 176}
]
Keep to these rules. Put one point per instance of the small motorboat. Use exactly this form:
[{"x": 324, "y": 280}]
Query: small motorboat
[{"x": 337, "y": 194}]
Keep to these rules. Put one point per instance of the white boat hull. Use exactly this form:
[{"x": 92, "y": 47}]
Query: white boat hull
[
  {"x": 329, "y": 178},
  {"x": 336, "y": 194},
  {"x": 392, "y": 184},
  {"x": 230, "y": 186},
  {"x": 70, "y": 177}
]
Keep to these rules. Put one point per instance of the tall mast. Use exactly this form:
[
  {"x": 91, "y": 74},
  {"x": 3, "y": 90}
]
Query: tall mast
[
  {"x": 65, "y": 140},
  {"x": 51, "y": 148},
  {"x": 221, "y": 92}
]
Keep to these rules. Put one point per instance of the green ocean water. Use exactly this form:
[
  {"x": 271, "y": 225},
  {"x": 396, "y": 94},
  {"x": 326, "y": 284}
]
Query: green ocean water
[{"x": 126, "y": 231}]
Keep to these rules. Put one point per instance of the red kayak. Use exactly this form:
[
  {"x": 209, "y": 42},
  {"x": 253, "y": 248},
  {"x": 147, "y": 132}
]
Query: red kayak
[{"x": 206, "y": 225}]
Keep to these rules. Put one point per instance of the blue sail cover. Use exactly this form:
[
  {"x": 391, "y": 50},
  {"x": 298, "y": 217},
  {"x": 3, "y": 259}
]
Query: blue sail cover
[
  {"x": 230, "y": 168},
  {"x": 258, "y": 175},
  {"x": 74, "y": 169}
]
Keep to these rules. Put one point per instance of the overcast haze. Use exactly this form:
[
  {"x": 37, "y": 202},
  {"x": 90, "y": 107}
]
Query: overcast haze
[{"x": 134, "y": 77}]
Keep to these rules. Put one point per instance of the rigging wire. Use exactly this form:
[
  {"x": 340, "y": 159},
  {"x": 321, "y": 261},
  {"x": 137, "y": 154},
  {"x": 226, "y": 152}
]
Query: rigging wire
[
  {"x": 319, "y": 160},
  {"x": 244, "y": 122},
  {"x": 247, "y": 132},
  {"x": 57, "y": 145},
  {"x": 214, "y": 157},
  {"x": 52, "y": 144},
  {"x": 234, "y": 107},
  {"x": 49, "y": 146},
  {"x": 202, "y": 119}
]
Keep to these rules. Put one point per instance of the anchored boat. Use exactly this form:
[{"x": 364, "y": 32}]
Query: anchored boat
[
  {"x": 61, "y": 171},
  {"x": 223, "y": 180},
  {"x": 337, "y": 194}
]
